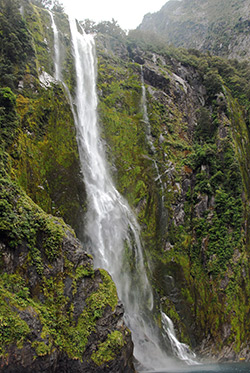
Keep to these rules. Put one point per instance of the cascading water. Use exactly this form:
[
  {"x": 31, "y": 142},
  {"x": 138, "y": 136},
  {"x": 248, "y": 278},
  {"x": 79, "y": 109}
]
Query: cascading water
[
  {"x": 112, "y": 230},
  {"x": 145, "y": 114},
  {"x": 148, "y": 131},
  {"x": 111, "y": 224},
  {"x": 180, "y": 350},
  {"x": 57, "y": 65}
]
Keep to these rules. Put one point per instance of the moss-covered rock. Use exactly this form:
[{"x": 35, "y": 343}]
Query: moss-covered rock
[
  {"x": 56, "y": 311},
  {"x": 185, "y": 173},
  {"x": 192, "y": 207}
]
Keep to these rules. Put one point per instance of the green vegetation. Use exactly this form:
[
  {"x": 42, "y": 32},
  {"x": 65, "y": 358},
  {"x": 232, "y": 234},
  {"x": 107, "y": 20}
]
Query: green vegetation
[
  {"x": 51, "y": 299},
  {"x": 28, "y": 232},
  {"x": 108, "y": 349},
  {"x": 188, "y": 182},
  {"x": 207, "y": 244},
  {"x": 217, "y": 27},
  {"x": 16, "y": 50},
  {"x": 36, "y": 123},
  {"x": 8, "y": 116},
  {"x": 59, "y": 327}
]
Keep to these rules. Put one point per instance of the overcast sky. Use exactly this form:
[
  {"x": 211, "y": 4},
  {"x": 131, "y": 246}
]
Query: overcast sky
[{"x": 128, "y": 13}]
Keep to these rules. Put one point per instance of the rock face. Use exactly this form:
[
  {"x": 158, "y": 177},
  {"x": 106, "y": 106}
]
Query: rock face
[
  {"x": 57, "y": 313},
  {"x": 186, "y": 174},
  {"x": 184, "y": 168},
  {"x": 219, "y": 27}
]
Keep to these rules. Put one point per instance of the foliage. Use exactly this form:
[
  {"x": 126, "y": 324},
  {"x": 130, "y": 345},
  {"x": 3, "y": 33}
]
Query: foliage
[
  {"x": 26, "y": 229},
  {"x": 213, "y": 83},
  {"x": 21, "y": 220},
  {"x": 15, "y": 44},
  {"x": 55, "y": 5},
  {"x": 107, "y": 350},
  {"x": 8, "y": 116},
  {"x": 184, "y": 173},
  {"x": 205, "y": 128}
]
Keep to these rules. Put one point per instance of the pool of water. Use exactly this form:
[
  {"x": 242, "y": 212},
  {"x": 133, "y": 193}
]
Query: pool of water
[{"x": 209, "y": 368}]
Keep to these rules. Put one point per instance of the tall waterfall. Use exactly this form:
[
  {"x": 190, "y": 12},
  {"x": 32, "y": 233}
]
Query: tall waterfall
[
  {"x": 111, "y": 227},
  {"x": 57, "y": 65}
]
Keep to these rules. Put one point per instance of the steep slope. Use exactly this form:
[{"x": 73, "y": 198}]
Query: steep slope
[
  {"x": 221, "y": 27},
  {"x": 42, "y": 144},
  {"x": 56, "y": 312},
  {"x": 183, "y": 167},
  {"x": 186, "y": 173}
]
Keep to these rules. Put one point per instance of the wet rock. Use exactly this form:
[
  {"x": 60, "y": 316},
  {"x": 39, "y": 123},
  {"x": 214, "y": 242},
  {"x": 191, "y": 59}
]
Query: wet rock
[
  {"x": 69, "y": 282},
  {"x": 156, "y": 80},
  {"x": 168, "y": 246},
  {"x": 222, "y": 132},
  {"x": 202, "y": 206},
  {"x": 179, "y": 214},
  {"x": 139, "y": 60},
  {"x": 185, "y": 186}
]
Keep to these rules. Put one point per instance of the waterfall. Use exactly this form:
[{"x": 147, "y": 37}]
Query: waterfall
[
  {"x": 145, "y": 114},
  {"x": 112, "y": 231},
  {"x": 181, "y": 350},
  {"x": 57, "y": 74},
  {"x": 148, "y": 132}
]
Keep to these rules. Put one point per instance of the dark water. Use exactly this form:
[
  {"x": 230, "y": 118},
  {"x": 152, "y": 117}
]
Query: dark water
[{"x": 211, "y": 368}]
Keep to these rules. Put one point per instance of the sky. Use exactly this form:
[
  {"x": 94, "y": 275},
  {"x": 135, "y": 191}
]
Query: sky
[{"x": 128, "y": 13}]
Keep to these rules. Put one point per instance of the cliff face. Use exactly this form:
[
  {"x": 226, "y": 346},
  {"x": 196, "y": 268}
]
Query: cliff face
[
  {"x": 40, "y": 136},
  {"x": 219, "y": 27},
  {"x": 183, "y": 166},
  {"x": 57, "y": 314},
  {"x": 186, "y": 172}
]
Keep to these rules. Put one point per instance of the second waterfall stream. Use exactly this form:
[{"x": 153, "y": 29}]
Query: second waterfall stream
[{"x": 111, "y": 227}]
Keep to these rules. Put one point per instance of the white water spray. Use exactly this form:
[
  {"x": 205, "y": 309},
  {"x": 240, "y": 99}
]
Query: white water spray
[
  {"x": 57, "y": 64},
  {"x": 181, "y": 350},
  {"x": 112, "y": 229},
  {"x": 111, "y": 224}
]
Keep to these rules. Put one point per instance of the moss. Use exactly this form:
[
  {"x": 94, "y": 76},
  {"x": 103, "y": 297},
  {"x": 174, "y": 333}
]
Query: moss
[
  {"x": 47, "y": 170},
  {"x": 108, "y": 349},
  {"x": 37, "y": 20},
  {"x": 14, "y": 330},
  {"x": 76, "y": 336},
  {"x": 84, "y": 271},
  {"x": 21, "y": 220},
  {"x": 41, "y": 348},
  {"x": 59, "y": 327}
]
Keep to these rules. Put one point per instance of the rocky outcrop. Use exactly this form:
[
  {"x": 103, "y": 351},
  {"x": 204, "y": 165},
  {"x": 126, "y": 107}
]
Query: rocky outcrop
[
  {"x": 198, "y": 24},
  {"x": 57, "y": 314}
]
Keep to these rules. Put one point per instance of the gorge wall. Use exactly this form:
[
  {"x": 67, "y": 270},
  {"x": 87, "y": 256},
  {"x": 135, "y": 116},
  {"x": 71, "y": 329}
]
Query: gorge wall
[
  {"x": 194, "y": 214},
  {"x": 58, "y": 314},
  {"x": 220, "y": 27},
  {"x": 193, "y": 208}
]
